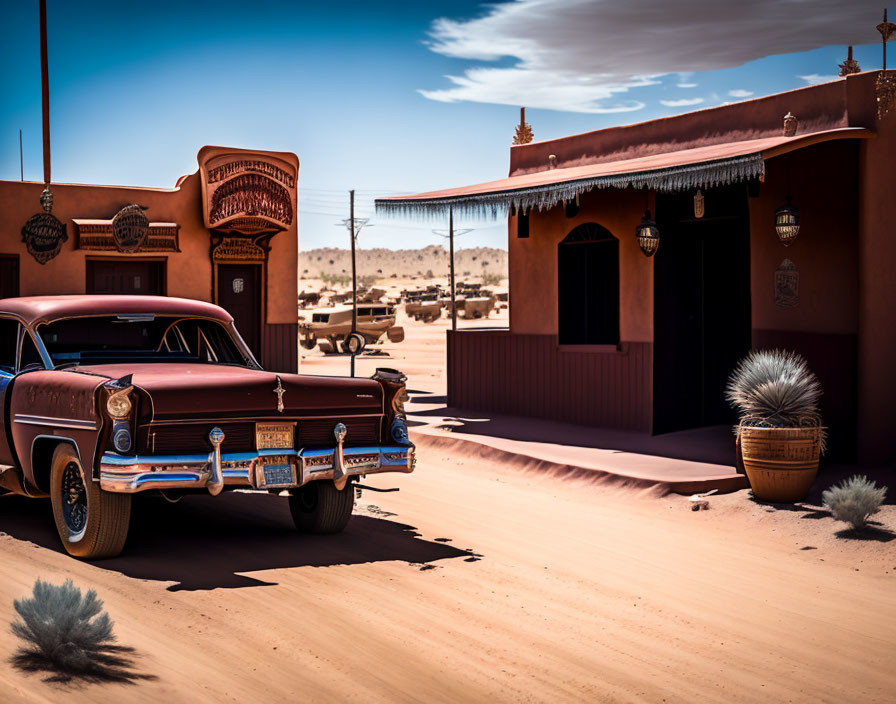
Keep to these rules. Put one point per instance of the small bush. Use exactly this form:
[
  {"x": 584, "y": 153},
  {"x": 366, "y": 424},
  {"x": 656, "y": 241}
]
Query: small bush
[
  {"x": 491, "y": 279},
  {"x": 63, "y": 626},
  {"x": 854, "y": 500}
]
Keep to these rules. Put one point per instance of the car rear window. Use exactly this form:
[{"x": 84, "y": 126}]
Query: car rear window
[{"x": 111, "y": 339}]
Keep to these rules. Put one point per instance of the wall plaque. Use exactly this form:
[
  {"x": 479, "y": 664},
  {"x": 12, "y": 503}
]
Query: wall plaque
[
  {"x": 787, "y": 285},
  {"x": 130, "y": 226},
  {"x": 43, "y": 236}
]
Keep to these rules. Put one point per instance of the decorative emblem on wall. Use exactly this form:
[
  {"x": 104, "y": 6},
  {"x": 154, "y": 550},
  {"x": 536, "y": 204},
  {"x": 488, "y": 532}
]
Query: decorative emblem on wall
[
  {"x": 787, "y": 285},
  {"x": 130, "y": 228},
  {"x": 699, "y": 204},
  {"x": 43, "y": 233},
  {"x": 248, "y": 192},
  {"x": 238, "y": 249}
]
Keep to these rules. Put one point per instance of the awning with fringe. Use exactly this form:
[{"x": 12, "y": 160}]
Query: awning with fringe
[{"x": 700, "y": 167}]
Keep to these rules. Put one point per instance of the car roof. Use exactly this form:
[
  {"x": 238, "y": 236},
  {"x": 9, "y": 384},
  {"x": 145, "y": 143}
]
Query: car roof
[{"x": 42, "y": 309}]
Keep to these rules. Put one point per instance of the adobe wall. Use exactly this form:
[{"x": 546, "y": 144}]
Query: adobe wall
[
  {"x": 188, "y": 272},
  {"x": 533, "y": 265}
]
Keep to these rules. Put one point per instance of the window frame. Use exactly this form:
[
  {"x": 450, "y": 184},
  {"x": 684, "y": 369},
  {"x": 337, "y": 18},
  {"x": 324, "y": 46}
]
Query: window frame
[{"x": 583, "y": 234}]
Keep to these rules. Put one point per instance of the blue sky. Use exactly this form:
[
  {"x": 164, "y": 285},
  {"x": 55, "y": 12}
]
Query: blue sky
[{"x": 387, "y": 97}]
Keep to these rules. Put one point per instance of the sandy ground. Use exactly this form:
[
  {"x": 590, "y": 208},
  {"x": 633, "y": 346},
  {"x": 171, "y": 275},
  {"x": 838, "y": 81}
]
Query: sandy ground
[{"x": 485, "y": 578}]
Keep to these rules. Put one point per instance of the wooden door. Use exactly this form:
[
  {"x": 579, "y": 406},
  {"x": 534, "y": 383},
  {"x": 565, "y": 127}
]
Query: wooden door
[
  {"x": 140, "y": 277},
  {"x": 9, "y": 276},
  {"x": 702, "y": 319},
  {"x": 239, "y": 293}
]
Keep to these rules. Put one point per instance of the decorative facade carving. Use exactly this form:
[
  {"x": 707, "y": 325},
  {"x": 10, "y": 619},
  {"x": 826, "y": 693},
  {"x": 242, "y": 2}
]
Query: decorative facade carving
[
  {"x": 130, "y": 227},
  {"x": 43, "y": 236},
  {"x": 234, "y": 168},
  {"x": 248, "y": 192},
  {"x": 238, "y": 249},
  {"x": 787, "y": 285},
  {"x": 97, "y": 236}
]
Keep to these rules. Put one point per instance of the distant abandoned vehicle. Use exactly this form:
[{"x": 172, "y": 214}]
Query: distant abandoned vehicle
[
  {"x": 423, "y": 305},
  {"x": 331, "y": 326},
  {"x": 102, "y": 397}
]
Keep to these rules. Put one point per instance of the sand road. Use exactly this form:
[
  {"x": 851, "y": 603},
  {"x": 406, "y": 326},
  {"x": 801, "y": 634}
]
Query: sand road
[{"x": 481, "y": 580}]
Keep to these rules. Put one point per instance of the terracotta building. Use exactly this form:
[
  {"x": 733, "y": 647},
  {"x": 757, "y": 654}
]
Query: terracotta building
[
  {"x": 225, "y": 234},
  {"x": 602, "y": 334}
]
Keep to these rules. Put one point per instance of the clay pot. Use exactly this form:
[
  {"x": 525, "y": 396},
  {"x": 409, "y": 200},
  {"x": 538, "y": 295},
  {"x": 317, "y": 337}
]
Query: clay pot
[{"x": 781, "y": 463}]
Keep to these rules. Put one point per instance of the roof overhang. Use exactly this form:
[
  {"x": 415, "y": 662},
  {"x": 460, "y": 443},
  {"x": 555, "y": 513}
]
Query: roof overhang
[{"x": 700, "y": 167}]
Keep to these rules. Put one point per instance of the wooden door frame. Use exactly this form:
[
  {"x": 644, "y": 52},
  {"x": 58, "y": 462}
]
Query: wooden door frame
[
  {"x": 131, "y": 259},
  {"x": 18, "y": 260}
]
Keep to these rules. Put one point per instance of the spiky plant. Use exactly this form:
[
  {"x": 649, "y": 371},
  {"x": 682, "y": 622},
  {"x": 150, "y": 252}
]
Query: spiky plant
[
  {"x": 854, "y": 500},
  {"x": 775, "y": 389},
  {"x": 63, "y": 627}
]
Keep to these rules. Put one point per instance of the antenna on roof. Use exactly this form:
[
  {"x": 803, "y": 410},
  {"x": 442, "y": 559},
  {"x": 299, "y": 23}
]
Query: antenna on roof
[
  {"x": 850, "y": 65},
  {"x": 886, "y": 83},
  {"x": 523, "y": 133}
]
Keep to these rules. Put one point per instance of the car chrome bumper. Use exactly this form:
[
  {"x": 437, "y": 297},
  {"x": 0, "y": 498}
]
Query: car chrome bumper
[{"x": 264, "y": 469}]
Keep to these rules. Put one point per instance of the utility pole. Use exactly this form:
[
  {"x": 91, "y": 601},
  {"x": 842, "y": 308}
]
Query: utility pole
[
  {"x": 45, "y": 88},
  {"x": 354, "y": 226},
  {"x": 21, "y": 159},
  {"x": 450, "y": 235},
  {"x": 351, "y": 227}
]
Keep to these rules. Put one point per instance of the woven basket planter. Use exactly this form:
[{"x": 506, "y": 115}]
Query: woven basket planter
[{"x": 781, "y": 463}]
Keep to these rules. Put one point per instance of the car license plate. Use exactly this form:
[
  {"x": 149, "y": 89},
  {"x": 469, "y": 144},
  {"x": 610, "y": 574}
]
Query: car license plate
[
  {"x": 277, "y": 471},
  {"x": 274, "y": 436}
]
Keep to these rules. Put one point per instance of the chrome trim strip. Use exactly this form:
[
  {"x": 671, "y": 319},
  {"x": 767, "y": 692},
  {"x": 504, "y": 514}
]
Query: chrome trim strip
[
  {"x": 256, "y": 419},
  {"x": 131, "y": 474},
  {"x": 55, "y": 422}
]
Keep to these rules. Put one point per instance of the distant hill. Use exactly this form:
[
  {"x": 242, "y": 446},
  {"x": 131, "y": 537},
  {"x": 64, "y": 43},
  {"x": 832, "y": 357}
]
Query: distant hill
[{"x": 471, "y": 262}]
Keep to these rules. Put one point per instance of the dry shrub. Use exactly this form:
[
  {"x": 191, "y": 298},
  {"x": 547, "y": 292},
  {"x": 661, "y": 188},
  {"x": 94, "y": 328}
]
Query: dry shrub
[
  {"x": 70, "y": 636},
  {"x": 854, "y": 500}
]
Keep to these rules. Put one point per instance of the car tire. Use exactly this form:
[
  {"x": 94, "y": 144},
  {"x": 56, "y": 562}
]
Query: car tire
[
  {"x": 319, "y": 507},
  {"x": 92, "y": 523}
]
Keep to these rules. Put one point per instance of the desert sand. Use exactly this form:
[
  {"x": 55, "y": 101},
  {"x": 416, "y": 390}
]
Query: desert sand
[{"x": 486, "y": 578}]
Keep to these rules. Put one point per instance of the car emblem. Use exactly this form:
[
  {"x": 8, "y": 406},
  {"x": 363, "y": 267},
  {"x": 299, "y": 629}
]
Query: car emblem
[{"x": 279, "y": 390}]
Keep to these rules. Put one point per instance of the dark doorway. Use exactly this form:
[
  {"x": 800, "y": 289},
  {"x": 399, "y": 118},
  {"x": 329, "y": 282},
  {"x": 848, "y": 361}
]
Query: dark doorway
[
  {"x": 588, "y": 281},
  {"x": 140, "y": 277},
  {"x": 239, "y": 293},
  {"x": 9, "y": 276},
  {"x": 702, "y": 323}
]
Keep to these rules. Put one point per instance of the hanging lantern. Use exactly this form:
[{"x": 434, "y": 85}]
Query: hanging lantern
[
  {"x": 648, "y": 235},
  {"x": 787, "y": 222}
]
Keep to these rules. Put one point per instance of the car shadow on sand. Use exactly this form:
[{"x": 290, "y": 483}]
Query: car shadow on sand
[{"x": 205, "y": 542}]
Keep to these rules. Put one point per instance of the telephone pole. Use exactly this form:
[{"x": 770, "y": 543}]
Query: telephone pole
[
  {"x": 354, "y": 226},
  {"x": 451, "y": 234}
]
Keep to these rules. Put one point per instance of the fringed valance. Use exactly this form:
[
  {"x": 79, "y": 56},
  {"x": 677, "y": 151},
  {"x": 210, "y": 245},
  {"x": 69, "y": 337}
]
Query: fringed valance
[{"x": 496, "y": 203}]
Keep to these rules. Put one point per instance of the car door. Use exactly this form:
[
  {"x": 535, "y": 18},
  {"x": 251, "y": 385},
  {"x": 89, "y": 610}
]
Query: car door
[{"x": 9, "y": 335}]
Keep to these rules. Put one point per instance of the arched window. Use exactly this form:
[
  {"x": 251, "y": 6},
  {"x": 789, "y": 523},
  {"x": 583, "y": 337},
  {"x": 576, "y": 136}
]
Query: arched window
[{"x": 588, "y": 268}]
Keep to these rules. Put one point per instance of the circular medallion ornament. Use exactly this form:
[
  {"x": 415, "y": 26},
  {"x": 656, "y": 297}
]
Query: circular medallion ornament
[
  {"x": 130, "y": 227},
  {"x": 43, "y": 236}
]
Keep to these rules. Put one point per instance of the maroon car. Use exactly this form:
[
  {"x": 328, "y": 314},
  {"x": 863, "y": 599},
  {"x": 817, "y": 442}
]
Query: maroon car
[{"x": 103, "y": 397}]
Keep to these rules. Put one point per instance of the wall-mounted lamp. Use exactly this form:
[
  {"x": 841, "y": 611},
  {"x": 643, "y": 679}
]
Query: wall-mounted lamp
[
  {"x": 787, "y": 222},
  {"x": 648, "y": 235}
]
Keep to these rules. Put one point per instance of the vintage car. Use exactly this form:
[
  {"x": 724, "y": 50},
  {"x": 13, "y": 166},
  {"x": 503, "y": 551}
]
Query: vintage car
[
  {"x": 332, "y": 326},
  {"x": 104, "y": 397}
]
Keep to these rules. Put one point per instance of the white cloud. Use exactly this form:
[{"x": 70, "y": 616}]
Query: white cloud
[
  {"x": 581, "y": 55},
  {"x": 683, "y": 102},
  {"x": 686, "y": 85},
  {"x": 740, "y": 93},
  {"x": 815, "y": 78}
]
